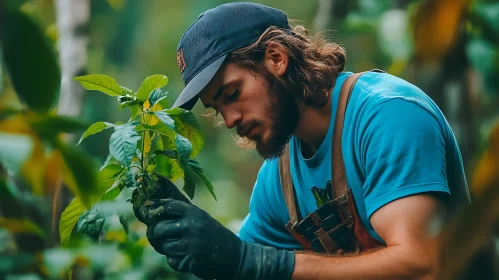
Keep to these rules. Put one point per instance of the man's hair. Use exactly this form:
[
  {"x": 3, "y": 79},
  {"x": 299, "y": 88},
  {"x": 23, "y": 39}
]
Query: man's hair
[{"x": 314, "y": 62}]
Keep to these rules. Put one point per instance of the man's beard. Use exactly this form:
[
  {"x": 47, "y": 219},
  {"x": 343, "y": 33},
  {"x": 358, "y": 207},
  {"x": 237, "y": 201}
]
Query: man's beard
[{"x": 284, "y": 114}]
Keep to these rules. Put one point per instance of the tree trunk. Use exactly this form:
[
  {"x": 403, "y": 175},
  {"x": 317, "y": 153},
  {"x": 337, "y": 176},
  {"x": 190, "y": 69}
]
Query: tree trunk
[
  {"x": 323, "y": 15},
  {"x": 72, "y": 21}
]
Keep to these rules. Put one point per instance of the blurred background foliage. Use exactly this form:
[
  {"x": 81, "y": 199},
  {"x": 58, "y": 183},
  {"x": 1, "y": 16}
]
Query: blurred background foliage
[{"x": 449, "y": 48}]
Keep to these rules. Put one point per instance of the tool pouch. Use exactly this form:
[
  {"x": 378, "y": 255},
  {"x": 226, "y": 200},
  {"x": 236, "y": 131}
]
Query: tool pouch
[{"x": 335, "y": 227}]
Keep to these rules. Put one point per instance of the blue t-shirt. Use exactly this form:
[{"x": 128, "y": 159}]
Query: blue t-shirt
[{"x": 396, "y": 143}]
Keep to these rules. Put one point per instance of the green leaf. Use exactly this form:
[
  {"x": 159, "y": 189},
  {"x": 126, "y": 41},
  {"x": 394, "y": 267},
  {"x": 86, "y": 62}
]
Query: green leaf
[
  {"x": 187, "y": 125},
  {"x": 189, "y": 179},
  {"x": 196, "y": 168},
  {"x": 30, "y": 60},
  {"x": 15, "y": 150},
  {"x": 107, "y": 176},
  {"x": 83, "y": 172},
  {"x": 111, "y": 194},
  {"x": 51, "y": 126},
  {"x": 149, "y": 84},
  {"x": 95, "y": 128},
  {"x": 102, "y": 83},
  {"x": 184, "y": 147},
  {"x": 489, "y": 12},
  {"x": 115, "y": 188},
  {"x": 21, "y": 226},
  {"x": 165, "y": 118},
  {"x": 156, "y": 96},
  {"x": 124, "y": 222},
  {"x": 170, "y": 154},
  {"x": 69, "y": 218},
  {"x": 123, "y": 143},
  {"x": 90, "y": 223}
]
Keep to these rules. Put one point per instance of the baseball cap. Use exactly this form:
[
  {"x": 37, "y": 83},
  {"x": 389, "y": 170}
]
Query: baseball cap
[{"x": 206, "y": 44}]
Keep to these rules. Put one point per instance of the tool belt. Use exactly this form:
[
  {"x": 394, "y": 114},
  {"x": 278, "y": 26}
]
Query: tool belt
[{"x": 335, "y": 227}]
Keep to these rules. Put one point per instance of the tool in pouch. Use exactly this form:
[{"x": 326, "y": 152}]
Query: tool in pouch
[{"x": 335, "y": 227}]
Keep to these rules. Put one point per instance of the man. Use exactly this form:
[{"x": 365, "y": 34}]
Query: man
[{"x": 279, "y": 88}]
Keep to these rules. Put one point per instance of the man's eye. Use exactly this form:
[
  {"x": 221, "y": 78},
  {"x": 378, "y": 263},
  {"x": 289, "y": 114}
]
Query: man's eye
[{"x": 234, "y": 95}]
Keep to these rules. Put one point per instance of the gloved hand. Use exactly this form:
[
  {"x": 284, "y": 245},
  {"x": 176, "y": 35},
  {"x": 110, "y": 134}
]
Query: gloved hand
[{"x": 196, "y": 243}]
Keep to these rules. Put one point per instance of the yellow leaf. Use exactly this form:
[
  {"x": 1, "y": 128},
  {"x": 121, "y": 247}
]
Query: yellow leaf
[
  {"x": 146, "y": 104},
  {"x": 436, "y": 27},
  {"x": 53, "y": 163},
  {"x": 116, "y": 4},
  {"x": 156, "y": 107},
  {"x": 20, "y": 226},
  {"x": 119, "y": 236},
  {"x": 34, "y": 168},
  {"x": 147, "y": 142}
]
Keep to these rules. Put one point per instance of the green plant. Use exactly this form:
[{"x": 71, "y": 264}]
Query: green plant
[{"x": 148, "y": 153}]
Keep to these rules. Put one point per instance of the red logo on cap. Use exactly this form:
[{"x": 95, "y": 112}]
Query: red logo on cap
[{"x": 180, "y": 60}]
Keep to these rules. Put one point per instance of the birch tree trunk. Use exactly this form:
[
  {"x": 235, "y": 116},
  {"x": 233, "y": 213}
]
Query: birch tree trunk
[
  {"x": 72, "y": 21},
  {"x": 323, "y": 15}
]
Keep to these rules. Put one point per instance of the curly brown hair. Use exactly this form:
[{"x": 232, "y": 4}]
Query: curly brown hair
[{"x": 314, "y": 62}]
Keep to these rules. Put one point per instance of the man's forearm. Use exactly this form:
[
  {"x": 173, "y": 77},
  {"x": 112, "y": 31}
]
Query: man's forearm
[{"x": 395, "y": 262}]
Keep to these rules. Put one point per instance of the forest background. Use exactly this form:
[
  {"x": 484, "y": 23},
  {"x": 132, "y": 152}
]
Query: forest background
[{"x": 448, "y": 48}]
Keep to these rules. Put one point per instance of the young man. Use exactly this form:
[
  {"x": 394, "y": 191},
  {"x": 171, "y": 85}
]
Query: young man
[{"x": 279, "y": 88}]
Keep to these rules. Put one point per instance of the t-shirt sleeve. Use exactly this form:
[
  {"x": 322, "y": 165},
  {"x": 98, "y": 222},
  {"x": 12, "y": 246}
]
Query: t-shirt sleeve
[
  {"x": 265, "y": 222},
  {"x": 402, "y": 148}
]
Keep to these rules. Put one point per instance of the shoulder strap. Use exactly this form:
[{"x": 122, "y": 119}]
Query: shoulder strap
[
  {"x": 288, "y": 188},
  {"x": 339, "y": 174}
]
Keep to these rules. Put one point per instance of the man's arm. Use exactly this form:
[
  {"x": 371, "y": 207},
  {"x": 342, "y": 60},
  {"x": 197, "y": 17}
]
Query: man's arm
[{"x": 407, "y": 226}]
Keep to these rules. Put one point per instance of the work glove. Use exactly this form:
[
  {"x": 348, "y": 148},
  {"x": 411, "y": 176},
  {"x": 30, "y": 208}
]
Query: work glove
[{"x": 196, "y": 243}]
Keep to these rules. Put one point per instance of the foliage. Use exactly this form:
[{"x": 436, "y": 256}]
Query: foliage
[
  {"x": 134, "y": 147},
  {"x": 31, "y": 134},
  {"x": 129, "y": 41}
]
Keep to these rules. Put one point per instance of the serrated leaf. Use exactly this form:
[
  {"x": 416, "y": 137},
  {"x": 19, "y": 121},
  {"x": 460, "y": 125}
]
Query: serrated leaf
[
  {"x": 95, "y": 128},
  {"x": 102, "y": 83},
  {"x": 196, "y": 168},
  {"x": 165, "y": 119},
  {"x": 28, "y": 54},
  {"x": 184, "y": 147},
  {"x": 187, "y": 125},
  {"x": 149, "y": 84},
  {"x": 156, "y": 96},
  {"x": 90, "y": 223},
  {"x": 123, "y": 143},
  {"x": 69, "y": 218}
]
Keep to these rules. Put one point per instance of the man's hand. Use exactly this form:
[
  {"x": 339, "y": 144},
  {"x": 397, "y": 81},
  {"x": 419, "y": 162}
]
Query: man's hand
[{"x": 196, "y": 243}]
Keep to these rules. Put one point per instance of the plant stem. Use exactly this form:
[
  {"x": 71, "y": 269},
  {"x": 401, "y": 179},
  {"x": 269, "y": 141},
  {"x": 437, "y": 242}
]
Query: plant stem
[{"x": 143, "y": 145}]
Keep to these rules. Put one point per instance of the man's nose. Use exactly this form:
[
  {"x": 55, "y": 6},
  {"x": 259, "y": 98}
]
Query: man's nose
[{"x": 231, "y": 118}]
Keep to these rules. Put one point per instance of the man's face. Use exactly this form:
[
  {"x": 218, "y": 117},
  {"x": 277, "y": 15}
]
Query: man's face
[{"x": 259, "y": 106}]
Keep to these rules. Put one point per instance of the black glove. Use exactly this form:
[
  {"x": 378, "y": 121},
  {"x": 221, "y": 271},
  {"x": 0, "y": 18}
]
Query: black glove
[{"x": 196, "y": 243}]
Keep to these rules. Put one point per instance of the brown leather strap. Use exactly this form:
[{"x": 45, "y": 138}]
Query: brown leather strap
[
  {"x": 339, "y": 174},
  {"x": 288, "y": 188}
]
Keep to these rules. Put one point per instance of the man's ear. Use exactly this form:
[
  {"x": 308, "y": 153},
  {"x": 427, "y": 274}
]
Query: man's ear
[{"x": 276, "y": 59}]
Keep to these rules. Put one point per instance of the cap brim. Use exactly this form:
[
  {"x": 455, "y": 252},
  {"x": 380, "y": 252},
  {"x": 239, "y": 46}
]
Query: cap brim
[{"x": 189, "y": 96}]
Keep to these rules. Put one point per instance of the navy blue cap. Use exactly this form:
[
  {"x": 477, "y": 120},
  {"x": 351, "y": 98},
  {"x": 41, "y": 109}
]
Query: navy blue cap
[{"x": 209, "y": 40}]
